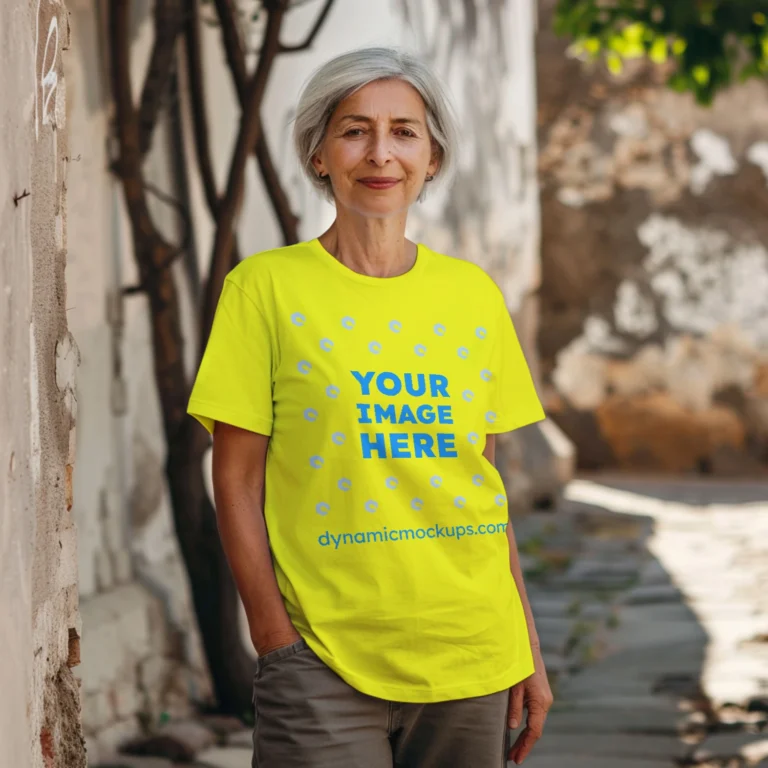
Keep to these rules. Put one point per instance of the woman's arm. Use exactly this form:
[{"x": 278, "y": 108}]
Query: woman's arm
[
  {"x": 239, "y": 462},
  {"x": 534, "y": 693}
]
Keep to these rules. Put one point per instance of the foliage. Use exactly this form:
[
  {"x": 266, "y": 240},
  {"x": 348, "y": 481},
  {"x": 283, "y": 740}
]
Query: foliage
[{"x": 711, "y": 42}]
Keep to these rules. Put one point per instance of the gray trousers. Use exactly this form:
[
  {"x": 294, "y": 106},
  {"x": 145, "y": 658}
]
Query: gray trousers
[{"x": 308, "y": 717}]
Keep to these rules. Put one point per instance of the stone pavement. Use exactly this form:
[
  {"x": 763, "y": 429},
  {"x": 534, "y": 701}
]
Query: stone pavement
[
  {"x": 679, "y": 677},
  {"x": 651, "y": 600}
]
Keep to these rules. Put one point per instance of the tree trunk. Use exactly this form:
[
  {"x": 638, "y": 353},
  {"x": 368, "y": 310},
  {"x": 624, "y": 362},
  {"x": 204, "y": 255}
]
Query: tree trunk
[{"x": 213, "y": 588}]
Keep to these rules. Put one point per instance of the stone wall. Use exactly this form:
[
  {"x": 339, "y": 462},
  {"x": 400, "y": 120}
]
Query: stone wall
[
  {"x": 40, "y": 625},
  {"x": 654, "y": 324}
]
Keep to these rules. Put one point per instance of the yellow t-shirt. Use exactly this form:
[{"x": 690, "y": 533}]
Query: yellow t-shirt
[{"x": 386, "y": 522}]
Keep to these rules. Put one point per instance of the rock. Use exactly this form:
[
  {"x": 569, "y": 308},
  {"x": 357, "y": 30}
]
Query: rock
[
  {"x": 110, "y": 740},
  {"x": 242, "y": 739},
  {"x": 655, "y": 432},
  {"x": 548, "y": 459},
  {"x": 222, "y": 725},
  {"x": 160, "y": 746},
  {"x": 225, "y": 757},
  {"x": 582, "y": 428},
  {"x": 132, "y": 761},
  {"x": 179, "y": 741}
]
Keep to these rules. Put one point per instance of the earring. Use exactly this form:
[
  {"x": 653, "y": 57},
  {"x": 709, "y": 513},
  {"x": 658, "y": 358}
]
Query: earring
[
  {"x": 429, "y": 178},
  {"x": 321, "y": 175}
]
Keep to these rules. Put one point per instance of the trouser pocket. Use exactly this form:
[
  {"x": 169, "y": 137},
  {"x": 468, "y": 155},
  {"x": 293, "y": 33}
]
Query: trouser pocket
[{"x": 307, "y": 716}]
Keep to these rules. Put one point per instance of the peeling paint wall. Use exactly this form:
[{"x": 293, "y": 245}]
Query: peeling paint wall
[
  {"x": 40, "y": 626},
  {"x": 654, "y": 323}
]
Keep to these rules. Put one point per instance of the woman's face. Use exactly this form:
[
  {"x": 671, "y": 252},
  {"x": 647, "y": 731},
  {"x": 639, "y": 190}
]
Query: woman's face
[{"x": 377, "y": 149}]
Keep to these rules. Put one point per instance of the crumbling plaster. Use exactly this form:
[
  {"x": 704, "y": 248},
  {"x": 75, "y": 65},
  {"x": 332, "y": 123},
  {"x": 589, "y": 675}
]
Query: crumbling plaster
[{"x": 40, "y": 628}]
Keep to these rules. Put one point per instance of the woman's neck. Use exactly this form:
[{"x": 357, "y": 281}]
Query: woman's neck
[{"x": 373, "y": 247}]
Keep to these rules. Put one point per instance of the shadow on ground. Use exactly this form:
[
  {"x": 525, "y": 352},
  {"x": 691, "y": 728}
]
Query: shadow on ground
[{"x": 624, "y": 643}]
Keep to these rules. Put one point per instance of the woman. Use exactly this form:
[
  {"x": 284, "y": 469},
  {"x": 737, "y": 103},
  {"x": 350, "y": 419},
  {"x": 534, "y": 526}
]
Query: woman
[{"x": 354, "y": 385}]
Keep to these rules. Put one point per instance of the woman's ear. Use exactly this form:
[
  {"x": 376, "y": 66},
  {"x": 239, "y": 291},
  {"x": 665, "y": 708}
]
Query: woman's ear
[
  {"x": 319, "y": 167},
  {"x": 435, "y": 160}
]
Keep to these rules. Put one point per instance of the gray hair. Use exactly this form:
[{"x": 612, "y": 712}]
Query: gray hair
[{"x": 342, "y": 76}]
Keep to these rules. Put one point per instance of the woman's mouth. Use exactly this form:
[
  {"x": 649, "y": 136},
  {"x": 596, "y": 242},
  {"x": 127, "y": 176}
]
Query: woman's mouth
[{"x": 379, "y": 182}]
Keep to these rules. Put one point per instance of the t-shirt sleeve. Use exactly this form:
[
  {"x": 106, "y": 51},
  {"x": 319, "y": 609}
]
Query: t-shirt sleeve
[
  {"x": 513, "y": 396},
  {"x": 234, "y": 381}
]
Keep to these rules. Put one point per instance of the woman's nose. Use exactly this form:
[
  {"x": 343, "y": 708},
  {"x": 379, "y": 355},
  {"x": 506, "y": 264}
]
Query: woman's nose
[{"x": 380, "y": 149}]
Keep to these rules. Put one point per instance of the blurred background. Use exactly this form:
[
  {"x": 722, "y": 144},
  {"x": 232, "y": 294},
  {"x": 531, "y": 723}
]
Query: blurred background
[{"x": 613, "y": 180}]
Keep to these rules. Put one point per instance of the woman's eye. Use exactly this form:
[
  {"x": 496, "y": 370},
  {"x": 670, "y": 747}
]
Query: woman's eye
[
  {"x": 407, "y": 133},
  {"x": 354, "y": 132}
]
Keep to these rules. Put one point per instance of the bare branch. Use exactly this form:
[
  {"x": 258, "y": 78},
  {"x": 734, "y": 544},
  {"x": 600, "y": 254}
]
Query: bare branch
[
  {"x": 281, "y": 205},
  {"x": 287, "y": 219},
  {"x": 249, "y": 134},
  {"x": 168, "y": 199},
  {"x": 196, "y": 85},
  {"x": 233, "y": 46},
  {"x": 128, "y": 164},
  {"x": 313, "y": 32},
  {"x": 144, "y": 287},
  {"x": 168, "y": 24},
  {"x": 152, "y": 253},
  {"x": 172, "y": 202}
]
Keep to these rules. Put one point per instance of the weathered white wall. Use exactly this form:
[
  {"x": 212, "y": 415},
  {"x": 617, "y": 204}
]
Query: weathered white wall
[
  {"x": 39, "y": 622},
  {"x": 132, "y": 581}
]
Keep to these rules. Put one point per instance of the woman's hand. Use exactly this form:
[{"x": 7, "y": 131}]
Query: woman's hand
[
  {"x": 535, "y": 695},
  {"x": 272, "y": 641}
]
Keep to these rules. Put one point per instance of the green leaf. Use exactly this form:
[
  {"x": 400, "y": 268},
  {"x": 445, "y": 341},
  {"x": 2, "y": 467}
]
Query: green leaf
[
  {"x": 634, "y": 32},
  {"x": 714, "y": 42},
  {"x": 617, "y": 43},
  {"x": 658, "y": 53},
  {"x": 592, "y": 45},
  {"x": 701, "y": 74},
  {"x": 614, "y": 63}
]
